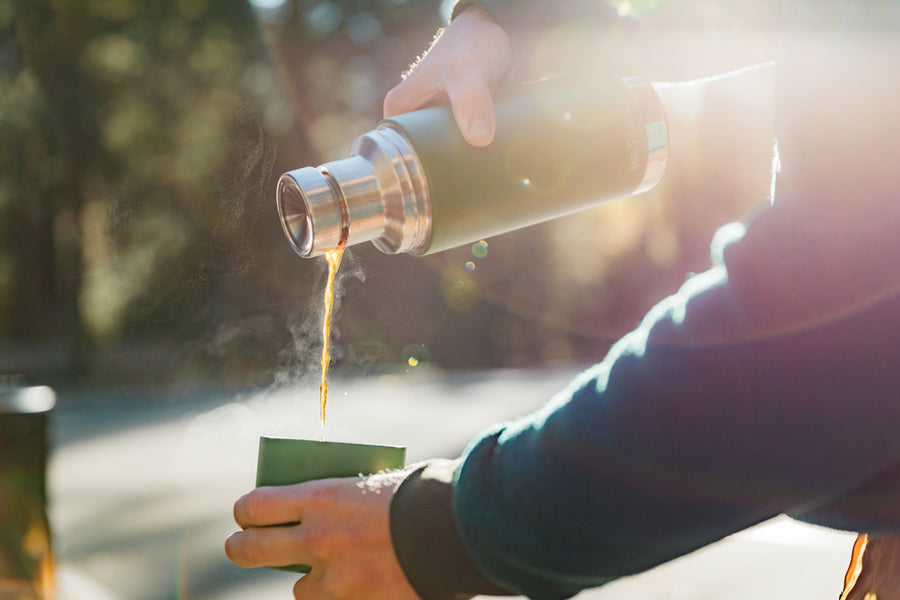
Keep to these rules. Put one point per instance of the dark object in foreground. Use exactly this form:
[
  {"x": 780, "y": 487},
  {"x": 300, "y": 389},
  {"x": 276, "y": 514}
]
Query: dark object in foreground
[{"x": 26, "y": 558}]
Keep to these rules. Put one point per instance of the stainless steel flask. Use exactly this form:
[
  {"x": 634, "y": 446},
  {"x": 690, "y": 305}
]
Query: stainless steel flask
[{"x": 414, "y": 185}]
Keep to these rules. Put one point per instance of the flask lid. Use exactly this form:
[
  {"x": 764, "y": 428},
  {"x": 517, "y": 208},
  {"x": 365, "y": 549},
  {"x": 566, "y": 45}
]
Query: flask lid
[{"x": 309, "y": 208}]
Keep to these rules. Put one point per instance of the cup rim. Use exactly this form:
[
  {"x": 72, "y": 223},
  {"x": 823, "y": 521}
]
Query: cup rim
[{"x": 329, "y": 442}]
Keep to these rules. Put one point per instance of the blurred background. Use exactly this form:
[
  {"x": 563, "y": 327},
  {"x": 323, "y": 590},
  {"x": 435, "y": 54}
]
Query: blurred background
[
  {"x": 145, "y": 277},
  {"x": 139, "y": 242}
]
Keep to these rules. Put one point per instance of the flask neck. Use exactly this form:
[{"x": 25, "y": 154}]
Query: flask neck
[{"x": 379, "y": 194}]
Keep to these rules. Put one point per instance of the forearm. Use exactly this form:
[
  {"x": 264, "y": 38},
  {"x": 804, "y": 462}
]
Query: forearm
[
  {"x": 720, "y": 129},
  {"x": 426, "y": 540},
  {"x": 737, "y": 399},
  {"x": 766, "y": 385}
]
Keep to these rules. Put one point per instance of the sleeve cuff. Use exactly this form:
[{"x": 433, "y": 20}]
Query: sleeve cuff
[
  {"x": 426, "y": 542},
  {"x": 539, "y": 14},
  {"x": 460, "y": 6},
  {"x": 505, "y": 13}
]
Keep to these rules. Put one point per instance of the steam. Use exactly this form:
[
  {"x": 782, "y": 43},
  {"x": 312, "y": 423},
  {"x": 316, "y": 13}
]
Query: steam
[
  {"x": 301, "y": 357},
  {"x": 242, "y": 189},
  {"x": 284, "y": 333}
]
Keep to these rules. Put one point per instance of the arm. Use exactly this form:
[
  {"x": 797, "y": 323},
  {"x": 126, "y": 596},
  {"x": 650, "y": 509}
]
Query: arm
[
  {"x": 765, "y": 385},
  {"x": 490, "y": 42}
]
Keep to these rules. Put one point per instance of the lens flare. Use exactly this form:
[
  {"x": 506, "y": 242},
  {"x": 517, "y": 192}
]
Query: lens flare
[
  {"x": 480, "y": 249},
  {"x": 636, "y": 8},
  {"x": 416, "y": 354},
  {"x": 537, "y": 173}
]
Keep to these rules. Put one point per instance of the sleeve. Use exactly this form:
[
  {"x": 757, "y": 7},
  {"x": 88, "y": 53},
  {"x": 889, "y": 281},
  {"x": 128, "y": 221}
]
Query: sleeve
[
  {"x": 539, "y": 14},
  {"x": 768, "y": 384},
  {"x": 873, "y": 507},
  {"x": 765, "y": 385},
  {"x": 422, "y": 521},
  {"x": 544, "y": 14}
]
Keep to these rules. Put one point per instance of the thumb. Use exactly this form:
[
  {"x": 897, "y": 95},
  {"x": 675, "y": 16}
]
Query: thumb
[{"x": 473, "y": 107}]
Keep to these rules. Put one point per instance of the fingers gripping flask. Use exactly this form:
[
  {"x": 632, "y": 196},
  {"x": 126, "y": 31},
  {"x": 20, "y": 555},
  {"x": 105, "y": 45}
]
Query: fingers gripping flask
[{"x": 414, "y": 185}]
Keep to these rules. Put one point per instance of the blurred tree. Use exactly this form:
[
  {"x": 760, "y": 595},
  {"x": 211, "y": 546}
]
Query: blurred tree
[
  {"x": 117, "y": 120},
  {"x": 138, "y": 143},
  {"x": 48, "y": 141}
]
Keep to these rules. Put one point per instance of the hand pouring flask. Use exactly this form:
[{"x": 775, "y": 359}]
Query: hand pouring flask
[{"x": 414, "y": 185}]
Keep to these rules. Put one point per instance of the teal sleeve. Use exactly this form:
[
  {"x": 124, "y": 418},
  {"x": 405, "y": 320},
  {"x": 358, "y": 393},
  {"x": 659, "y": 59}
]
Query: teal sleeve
[
  {"x": 768, "y": 384},
  {"x": 425, "y": 539}
]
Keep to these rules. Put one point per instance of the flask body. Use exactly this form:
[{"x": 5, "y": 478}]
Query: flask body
[{"x": 414, "y": 185}]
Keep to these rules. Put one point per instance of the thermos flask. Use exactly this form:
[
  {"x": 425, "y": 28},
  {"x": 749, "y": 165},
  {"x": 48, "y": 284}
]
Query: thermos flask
[{"x": 414, "y": 185}]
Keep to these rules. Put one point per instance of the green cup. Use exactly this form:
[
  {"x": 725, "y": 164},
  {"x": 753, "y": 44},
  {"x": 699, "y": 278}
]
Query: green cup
[{"x": 285, "y": 461}]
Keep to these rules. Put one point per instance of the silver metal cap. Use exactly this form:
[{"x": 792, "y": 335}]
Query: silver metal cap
[
  {"x": 378, "y": 194},
  {"x": 309, "y": 207}
]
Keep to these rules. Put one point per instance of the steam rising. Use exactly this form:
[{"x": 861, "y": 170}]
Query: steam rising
[{"x": 301, "y": 357}]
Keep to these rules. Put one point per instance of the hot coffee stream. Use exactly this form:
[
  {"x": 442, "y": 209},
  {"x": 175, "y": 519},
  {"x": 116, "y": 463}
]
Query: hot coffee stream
[{"x": 334, "y": 261}]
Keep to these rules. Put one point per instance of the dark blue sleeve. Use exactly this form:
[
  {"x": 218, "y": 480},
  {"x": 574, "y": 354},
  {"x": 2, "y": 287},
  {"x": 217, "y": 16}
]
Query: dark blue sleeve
[{"x": 768, "y": 384}]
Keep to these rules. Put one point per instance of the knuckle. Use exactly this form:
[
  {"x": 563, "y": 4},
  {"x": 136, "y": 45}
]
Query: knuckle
[
  {"x": 464, "y": 68},
  {"x": 393, "y": 99},
  {"x": 319, "y": 544},
  {"x": 472, "y": 60},
  {"x": 246, "y": 507},
  {"x": 254, "y": 502},
  {"x": 253, "y": 549},
  {"x": 411, "y": 94},
  {"x": 254, "y": 505},
  {"x": 322, "y": 496}
]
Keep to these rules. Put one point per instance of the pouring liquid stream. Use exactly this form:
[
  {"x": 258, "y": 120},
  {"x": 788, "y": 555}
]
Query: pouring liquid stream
[{"x": 333, "y": 257}]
